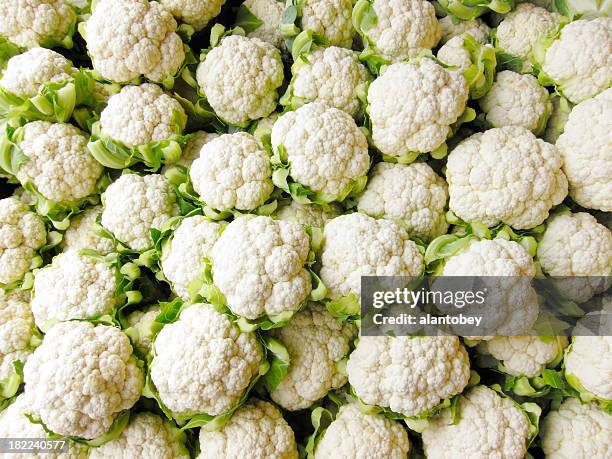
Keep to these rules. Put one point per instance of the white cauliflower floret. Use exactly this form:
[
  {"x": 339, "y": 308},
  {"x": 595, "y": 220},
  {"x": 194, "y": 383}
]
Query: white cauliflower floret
[
  {"x": 454, "y": 53},
  {"x": 73, "y": 287},
  {"x": 332, "y": 76},
  {"x": 505, "y": 174},
  {"x": 524, "y": 355},
  {"x": 16, "y": 329},
  {"x": 522, "y": 28},
  {"x": 196, "y": 13},
  {"x": 127, "y": 39},
  {"x": 585, "y": 146},
  {"x": 517, "y": 100},
  {"x": 232, "y": 172},
  {"x": 203, "y": 362},
  {"x": 580, "y": 61},
  {"x": 134, "y": 204},
  {"x": 413, "y": 194},
  {"x": 586, "y": 365},
  {"x": 240, "y": 78},
  {"x": 412, "y": 106},
  {"x": 183, "y": 255},
  {"x": 356, "y": 435},
  {"x": 408, "y": 374},
  {"x": 191, "y": 150},
  {"x": 317, "y": 345},
  {"x": 140, "y": 322},
  {"x": 452, "y": 27},
  {"x": 22, "y": 233},
  {"x": 576, "y": 430},
  {"x": 488, "y": 425},
  {"x": 331, "y": 19},
  {"x": 325, "y": 149},
  {"x": 138, "y": 115},
  {"x": 356, "y": 245},
  {"x": 34, "y": 23},
  {"x": 59, "y": 163},
  {"x": 26, "y": 73},
  {"x": 258, "y": 264},
  {"x": 269, "y": 12},
  {"x": 146, "y": 436},
  {"x": 576, "y": 245},
  {"x": 80, "y": 233},
  {"x": 81, "y": 377},
  {"x": 308, "y": 214},
  {"x": 257, "y": 429}
]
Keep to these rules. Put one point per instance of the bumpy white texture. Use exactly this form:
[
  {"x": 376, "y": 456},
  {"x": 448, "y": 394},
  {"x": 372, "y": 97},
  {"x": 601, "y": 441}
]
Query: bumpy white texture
[
  {"x": 576, "y": 430},
  {"x": 81, "y": 377},
  {"x": 524, "y": 355},
  {"x": 16, "y": 329},
  {"x": 73, "y": 287},
  {"x": 516, "y": 100},
  {"x": 521, "y": 29},
  {"x": 356, "y": 435},
  {"x": 127, "y": 39},
  {"x": 232, "y": 172},
  {"x": 146, "y": 436},
  {"x": 308, "y": 214},
  {"x": 317, "y": 344},
  {"x": 332, "y": 76},
  {"x": 477, "y": 28},
  {"x": 576, "y": 245},
  {"x": 412, "y": 106},
  {"x": 191, "y": 150},
  {"x": 586, "y": 149},
  {"x": 203, "y": 362},
  {"x": 356, "y": 245},
  {"x": 413, "y": 194},
  {"x": 331, "y": 19},
  {"x": 586, "y": 362},
  {"x": 240, "y": 78},
  {"x": 30, "y": 23},
  {"x": 408, "y": 374},
  {"x": 196, "y": 13},
  {"x": 258, "y": 264},
  {"x": 505, "y": 174},
  {"x": 403, "y": 29},
  {"x": 488, "y": 426},
  {"x": 580, "y": 61},
  {"x": 184, "y": 254},
  {"x": 326, "y": 150},
  {"x": 80, "y": 233},
  {"x": 141, "y": 114},
  {"x": 22, "y": 233},
  {"x": 256, "y": 430},
  {"x": 26, "y": 73},
  {"x": 134, "y": 204},
  {"x": 59, "y": 163},
  {"x": 269, "y": 13},
  {"x": 454, "y": 53}
]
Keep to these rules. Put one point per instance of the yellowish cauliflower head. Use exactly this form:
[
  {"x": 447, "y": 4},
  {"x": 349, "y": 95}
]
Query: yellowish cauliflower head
[{"x": 308, "y": 214}]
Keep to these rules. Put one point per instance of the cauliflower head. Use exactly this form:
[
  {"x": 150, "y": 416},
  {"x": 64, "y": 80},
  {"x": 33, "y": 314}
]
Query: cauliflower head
[
  {"x": 191, "y": 150},
  {"x": 331, "y": 19},
  {"x": 81, "y": 234},
  {"x": 356, "y": 245},
  {"x": 240, "y": 78},
  {"x": 489, "y": 426},
  {"x": 232, "y": 172},
  {"x": 586, "y": 369},
  {"x": 256, "y": 429},
  {"x": 258, "y": 264},
  {"x": 269, "y": 12},
  {"x": 585, "y": 146},
  {"x": 517, "y": 100},
  {"x": 451, "y": 27},
  {"x": 183, "y": 255},
  {"x": 203, "y": 363},
  {"x": 412, "y": 105},
  {"x": 127, "y": 39},
  {"x": 81, "y": 377},
  {"x": 140, "y": 321},
  {"x": 22, "y": 233},
  {"x": 505, "y": 174},
  {"x": 408, "y": 374},
  {"x": 412, "y": 194},
  {"x": 317, "y": 345},
  {"x": 134, "y": 204},
  {"x": 324, "y": 149},
  {"x": 308, "y": 214},
  {"x": 356, "y": 435},
  {"x": 454, "y": 53},
  {"x": 196, "y": 13}
]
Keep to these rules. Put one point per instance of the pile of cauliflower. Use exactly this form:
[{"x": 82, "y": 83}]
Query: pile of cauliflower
[{"x": 192, "y": 190}]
